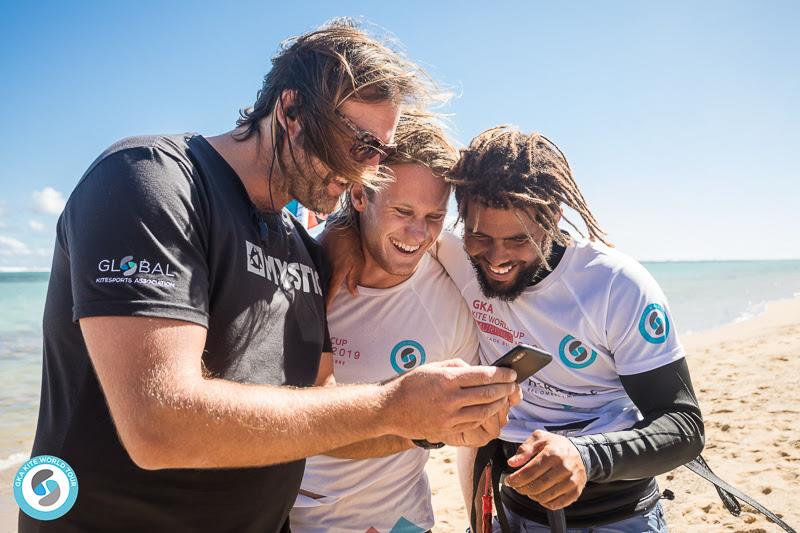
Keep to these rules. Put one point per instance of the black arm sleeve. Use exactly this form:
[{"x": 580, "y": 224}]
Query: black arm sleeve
[{"x": 670, "y": 434}]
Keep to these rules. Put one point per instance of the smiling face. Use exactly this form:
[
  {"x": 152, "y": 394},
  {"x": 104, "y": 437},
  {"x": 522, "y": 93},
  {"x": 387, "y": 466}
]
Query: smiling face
[
  {"x": 400, "y": 223},
  {"x": 312, "y": 183},
  {"x": 498, "y": 242}
]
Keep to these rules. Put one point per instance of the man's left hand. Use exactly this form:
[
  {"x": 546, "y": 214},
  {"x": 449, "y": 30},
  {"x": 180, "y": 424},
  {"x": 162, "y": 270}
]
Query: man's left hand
[{"x": 551, "y": 470}]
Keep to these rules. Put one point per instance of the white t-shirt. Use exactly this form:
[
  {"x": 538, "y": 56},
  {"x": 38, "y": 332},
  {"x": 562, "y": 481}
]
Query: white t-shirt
[
  {"x": 599, "y": 313},
  {"x": 376, "y": 336}
]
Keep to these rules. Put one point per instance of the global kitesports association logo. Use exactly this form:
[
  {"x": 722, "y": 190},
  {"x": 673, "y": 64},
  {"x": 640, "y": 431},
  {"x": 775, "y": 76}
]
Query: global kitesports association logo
[
  {"x": 654, "y": 324},
  {"x": 407, "y": 355},
  {"x": 574, "y": 353},
  {"x": 45, "y": 487},
  {"x": 140, "y": 271}
]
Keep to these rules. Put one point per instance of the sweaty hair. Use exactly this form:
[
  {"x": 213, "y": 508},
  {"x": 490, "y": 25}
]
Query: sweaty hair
[
  {"x": 421, "y": 139},
  {"x": 323, "y": 69},
  {"x": 504, "y": 168}
]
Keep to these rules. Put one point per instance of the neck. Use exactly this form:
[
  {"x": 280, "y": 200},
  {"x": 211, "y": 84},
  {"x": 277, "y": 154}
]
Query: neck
[
  {"x": 252, "y": 159},
  {"x": 375, "y": 277},
  {"x": 553, "y": 259}
]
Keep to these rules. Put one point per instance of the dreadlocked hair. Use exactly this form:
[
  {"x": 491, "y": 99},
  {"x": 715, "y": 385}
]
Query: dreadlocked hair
[
  {"x": 421, "y": 139},
  {"x": 504, "y": 168}
]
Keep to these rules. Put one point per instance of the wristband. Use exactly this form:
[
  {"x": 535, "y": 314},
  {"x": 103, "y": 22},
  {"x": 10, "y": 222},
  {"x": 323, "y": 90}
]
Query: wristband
[{"x": 422, "y": 443}]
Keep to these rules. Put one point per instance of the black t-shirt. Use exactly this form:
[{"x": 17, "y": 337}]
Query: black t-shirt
[{"x": 163, "y": 227}]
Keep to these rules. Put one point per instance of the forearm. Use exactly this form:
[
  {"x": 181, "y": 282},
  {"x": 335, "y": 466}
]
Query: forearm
[
  {"x": 670, "y": 434},
  {"x": 219, "y": 423},
  {"x": 377, "y": 447}
]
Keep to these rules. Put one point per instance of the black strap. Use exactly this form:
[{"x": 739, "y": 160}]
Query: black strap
[
  {"x": 489, "y": 454},
  {"x": 492, "y": 454},
  {"x": 557, "y": 521},
  {"x": 729, "y": 494}
]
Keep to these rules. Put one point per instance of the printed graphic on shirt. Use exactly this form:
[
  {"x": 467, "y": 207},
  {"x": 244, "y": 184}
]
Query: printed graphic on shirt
[
  {"x": 497, "y": 329},
  {"x": 125, "y": 270},
  {"x": 574, "y": 353},
  {"x": 343, "y": 351},
  {"x": 255, "y": 259},
  {"x": 407, "y": 355},
  {"x": 288, "y": 276},
  {"x": 654, "y": 324}
]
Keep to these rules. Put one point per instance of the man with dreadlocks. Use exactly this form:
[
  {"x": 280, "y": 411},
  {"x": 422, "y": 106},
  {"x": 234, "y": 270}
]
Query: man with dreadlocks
[{"x": 616, "y": 406}]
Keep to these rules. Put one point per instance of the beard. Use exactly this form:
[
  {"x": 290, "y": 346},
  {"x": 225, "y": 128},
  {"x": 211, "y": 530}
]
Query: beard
[
  {"x": 532, "y": 273},
  {"x": 311, "y": 191}
]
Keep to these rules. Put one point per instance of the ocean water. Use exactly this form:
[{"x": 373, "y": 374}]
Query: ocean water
[{"x": 702, "y": 295}]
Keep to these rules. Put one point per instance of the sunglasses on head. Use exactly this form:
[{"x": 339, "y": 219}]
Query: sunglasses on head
[{"x": 366, "y": 144}]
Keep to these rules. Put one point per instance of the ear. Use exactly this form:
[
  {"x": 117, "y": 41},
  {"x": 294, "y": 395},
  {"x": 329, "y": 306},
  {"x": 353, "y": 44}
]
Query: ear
[
  {"x": 286, "y": 112},
  {"x": 358, "y": 197}
]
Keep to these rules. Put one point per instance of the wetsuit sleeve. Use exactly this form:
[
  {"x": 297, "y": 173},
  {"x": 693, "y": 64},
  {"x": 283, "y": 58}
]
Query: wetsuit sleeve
[{"x": 670, "y": 434}]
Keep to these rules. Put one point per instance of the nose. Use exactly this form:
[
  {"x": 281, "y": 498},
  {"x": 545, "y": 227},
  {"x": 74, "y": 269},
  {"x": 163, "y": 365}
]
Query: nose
[
  {"x": 417, "y": 229},
  {"x": 373, "y": 161},
  {"x": 497, "y": 254}
]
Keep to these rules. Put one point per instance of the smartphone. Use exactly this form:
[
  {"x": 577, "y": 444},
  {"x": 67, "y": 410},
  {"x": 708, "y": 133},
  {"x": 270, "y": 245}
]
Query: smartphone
[{"x": 525, "y": 360}]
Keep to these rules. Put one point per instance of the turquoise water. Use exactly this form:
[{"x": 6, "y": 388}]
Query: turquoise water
[
  {"x": 702, "y": 295},
  {"x": 706, "y": 294}
]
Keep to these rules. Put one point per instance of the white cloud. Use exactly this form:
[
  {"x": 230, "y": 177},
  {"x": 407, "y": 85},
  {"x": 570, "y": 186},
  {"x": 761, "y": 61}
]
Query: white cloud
[
  {"x": 48, "y": 201},
  {"x": 12, "y": 247},
  {"x": 35, "y": 225}
]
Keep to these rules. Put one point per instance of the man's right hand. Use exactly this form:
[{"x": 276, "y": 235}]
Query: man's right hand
[{"x": 449, "y": 398}]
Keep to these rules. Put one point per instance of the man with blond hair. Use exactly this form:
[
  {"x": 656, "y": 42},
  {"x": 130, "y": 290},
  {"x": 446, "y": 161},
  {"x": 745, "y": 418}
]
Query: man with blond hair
[{"x": 408, "y": 313}]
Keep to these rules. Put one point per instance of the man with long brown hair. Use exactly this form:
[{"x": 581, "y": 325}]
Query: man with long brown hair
[{"x": 185, "y": 315}]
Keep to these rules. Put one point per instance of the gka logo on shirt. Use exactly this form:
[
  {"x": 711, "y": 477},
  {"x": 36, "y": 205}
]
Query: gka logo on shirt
[
  {"x": 407, "y": 355},
  {"x": 45, "y": 487},
  {"x": 574, "y": 354},
  {"x": 654, "y": 324}
]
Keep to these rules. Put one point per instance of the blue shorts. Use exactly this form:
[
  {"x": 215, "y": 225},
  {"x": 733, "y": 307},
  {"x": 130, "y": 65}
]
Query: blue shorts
[{"x": 648, "y": 521}]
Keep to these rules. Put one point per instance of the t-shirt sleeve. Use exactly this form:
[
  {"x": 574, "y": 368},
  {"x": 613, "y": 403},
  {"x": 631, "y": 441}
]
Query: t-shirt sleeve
[
  {"x": 467, "y": 341},
  {"x": 639, "y": 328},
  {"x": 449, "y": 251},
  {"x": 136, "y": 235}
]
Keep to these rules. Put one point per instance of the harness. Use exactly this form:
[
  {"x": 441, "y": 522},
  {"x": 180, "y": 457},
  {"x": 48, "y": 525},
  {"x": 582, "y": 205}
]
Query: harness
[{"x": 491, "y": 460}]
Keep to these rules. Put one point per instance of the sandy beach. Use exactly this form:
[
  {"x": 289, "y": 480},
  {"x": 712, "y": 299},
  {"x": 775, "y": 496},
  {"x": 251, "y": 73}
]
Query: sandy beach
[{"x": 747, "y": 377}]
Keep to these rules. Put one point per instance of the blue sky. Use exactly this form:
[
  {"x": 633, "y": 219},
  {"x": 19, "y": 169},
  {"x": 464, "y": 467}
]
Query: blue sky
[{"x": 681, "y": 119}]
